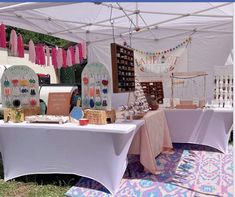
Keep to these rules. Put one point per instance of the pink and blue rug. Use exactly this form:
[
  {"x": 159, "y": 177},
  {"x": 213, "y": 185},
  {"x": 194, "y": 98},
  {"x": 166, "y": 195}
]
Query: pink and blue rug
[{"x": 190, "y": 171}]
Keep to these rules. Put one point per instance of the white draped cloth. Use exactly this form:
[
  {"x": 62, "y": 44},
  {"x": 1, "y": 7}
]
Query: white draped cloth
[
  {"x": 209, "y": 127},
  {"x": 94, "y": 151}
]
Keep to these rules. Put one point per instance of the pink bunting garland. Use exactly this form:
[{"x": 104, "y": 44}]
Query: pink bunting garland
[
  {"x": 41, "y": 55},
  {"x": 59, "y": 58},
  {"x": 77, "y": 59},
  {"x": 69, "y": 58},
  {"x": 32, "y": 52},
  {"x": 72, "y": 52},
  {"x": 13, "y": 43},
  {"x": 80, "y": 52},
  {"x": 84, "y": 50},
  {"x": 3, "y": 43},
  {"x": 48, "y": 55},
  {"x": 20, "y": 46},
  {"x": 64, "y": 65},
  {"x": 54, "y": 57}
]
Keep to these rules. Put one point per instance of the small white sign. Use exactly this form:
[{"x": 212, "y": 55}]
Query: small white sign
[
  {"x": 176, "y": 101},
  {"x": 167, "y": 102},
  {"x": 196, "y": 101}
]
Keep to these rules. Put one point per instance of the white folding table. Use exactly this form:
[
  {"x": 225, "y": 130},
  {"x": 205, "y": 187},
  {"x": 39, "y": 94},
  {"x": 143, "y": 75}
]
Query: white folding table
[
  {"x": 209, "y": 127},
  {"x": 98, "y": 152}
]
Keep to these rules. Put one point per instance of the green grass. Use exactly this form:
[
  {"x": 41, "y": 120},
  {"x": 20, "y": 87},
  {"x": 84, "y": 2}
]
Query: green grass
[
  {"x": 21, "y": 189},
  {"x": 53, "y": 185}
]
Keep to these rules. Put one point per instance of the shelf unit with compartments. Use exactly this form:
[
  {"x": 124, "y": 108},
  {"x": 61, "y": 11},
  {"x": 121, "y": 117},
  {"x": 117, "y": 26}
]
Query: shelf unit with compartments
[
  {"x": 153, "y": 89},
  {"x": 123, "y": 71}
]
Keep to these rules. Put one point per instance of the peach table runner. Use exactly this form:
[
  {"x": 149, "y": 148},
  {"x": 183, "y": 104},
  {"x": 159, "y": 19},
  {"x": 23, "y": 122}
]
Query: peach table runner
[{"x": 152, "y": 139}]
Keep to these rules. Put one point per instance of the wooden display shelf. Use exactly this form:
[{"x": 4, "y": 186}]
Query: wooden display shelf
[
  {"x": 123, "y": 70},
  {"x": 153, "y": 89}
]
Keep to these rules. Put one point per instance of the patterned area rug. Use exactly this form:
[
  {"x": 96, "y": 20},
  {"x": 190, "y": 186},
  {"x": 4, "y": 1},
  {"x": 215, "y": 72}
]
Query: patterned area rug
[{"x": 191, "y": 171}]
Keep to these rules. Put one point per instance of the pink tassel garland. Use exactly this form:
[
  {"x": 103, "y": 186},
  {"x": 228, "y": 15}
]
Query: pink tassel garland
[
  {"x": 64, "y": 65},
  {"x": 72, "y": 52},
  {"x": 54, "y": 57},
  {"x": 32, "y": 52},
  {"x": 13, "y": 43},
  {"x": 69, "y": 58},
  {"x": 20, "y": 46},
  {"x": 3, "y": 43}
]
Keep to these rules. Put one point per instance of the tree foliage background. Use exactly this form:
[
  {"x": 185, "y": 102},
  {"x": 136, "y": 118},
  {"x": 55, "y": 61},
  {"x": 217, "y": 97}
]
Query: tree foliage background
[{"x": 36, "y": 37}]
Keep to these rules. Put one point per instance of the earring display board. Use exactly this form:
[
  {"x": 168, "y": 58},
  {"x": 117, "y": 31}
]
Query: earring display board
[
  {"x": 223, "y": 92},
  {"x": 19, "y": 85},
  {"x": 96, "y": 87},
  {"x": 154, "y": 90},
  {"x": 122, "y": 68}
]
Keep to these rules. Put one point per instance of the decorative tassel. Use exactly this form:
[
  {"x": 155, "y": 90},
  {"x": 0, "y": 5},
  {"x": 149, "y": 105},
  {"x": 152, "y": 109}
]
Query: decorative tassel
[
  {"x": 77, "y": 59},
  {"x": 64, "y": 65},
  {"x": 13, "y": 43},
  {"x": 20, "y": 46},
  {"x": 54, "y": 57},
  {"x": 69, "y": 58},
  {"x": 42, "y": 55},
  {"x": 32, "y": 52},
  {"x": 3, "y": 43},
  {"x": 59, "y": 58},
  {"x": 72, "y": 52},
  {"x": 37, "y": 55},
  {"x": 48, "y": 55},
  {"x": 84, "y": 50},
  {"x": 80, "y": 52}
]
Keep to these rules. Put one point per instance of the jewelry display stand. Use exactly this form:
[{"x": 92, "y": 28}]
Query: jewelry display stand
[
  {"x": 96, "y": 87},
  {"x": 223, "y": 92},
  {"x": 188, "y": 104}
]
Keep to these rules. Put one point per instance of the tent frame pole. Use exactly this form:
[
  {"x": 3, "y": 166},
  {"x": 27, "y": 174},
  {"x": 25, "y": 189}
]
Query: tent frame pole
[{"x": 172, "y": 13}]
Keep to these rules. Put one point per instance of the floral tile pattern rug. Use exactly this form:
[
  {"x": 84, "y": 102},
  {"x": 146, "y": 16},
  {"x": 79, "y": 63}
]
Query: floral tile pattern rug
[{"x": 190, "y": 171}]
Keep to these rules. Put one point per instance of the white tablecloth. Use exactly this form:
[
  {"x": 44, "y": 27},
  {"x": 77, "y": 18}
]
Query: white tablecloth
[
  {"x": 95, "y": 151},
  {"x": 207, "y": 127}
]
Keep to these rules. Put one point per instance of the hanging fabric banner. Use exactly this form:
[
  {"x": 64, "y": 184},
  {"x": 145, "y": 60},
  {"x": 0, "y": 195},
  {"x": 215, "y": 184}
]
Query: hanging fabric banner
[{"x": 161, "y": 63}]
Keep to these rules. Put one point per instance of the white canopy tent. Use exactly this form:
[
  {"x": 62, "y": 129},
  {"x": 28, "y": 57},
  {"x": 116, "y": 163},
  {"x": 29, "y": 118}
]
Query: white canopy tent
[
  {"x": 77, "y": 21},
  {"x": 144, "y": 26}
]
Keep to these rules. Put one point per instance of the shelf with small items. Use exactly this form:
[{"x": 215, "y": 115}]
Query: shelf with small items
[
  {"x": 123, "y": 71},
  {"x": 154, "y": 90}
]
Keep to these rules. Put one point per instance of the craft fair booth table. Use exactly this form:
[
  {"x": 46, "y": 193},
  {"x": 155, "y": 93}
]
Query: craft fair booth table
[
  {"x": 95, "y": 151},
  {"x": 152, "y": 139},
  {"x": 209, "y": 127}
]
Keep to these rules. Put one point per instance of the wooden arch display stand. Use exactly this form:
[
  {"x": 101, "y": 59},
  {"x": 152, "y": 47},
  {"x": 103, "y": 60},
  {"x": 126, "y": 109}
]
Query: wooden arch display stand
[{"x": 185, "y": 76}]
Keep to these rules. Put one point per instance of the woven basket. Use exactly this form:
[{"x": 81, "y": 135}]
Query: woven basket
[
  {"x": 100, "y": 116},
  {"x": 96, "y": 116}
]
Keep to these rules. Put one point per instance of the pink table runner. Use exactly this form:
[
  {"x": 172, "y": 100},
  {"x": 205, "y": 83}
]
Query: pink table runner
[{"x": 152, "y": 139}]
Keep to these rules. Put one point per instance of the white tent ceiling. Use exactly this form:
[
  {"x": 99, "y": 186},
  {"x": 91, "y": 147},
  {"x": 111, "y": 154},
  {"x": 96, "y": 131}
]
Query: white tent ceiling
[
  {"x": 94, "y": 22},
  {"x": 160, "y": 26}
]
